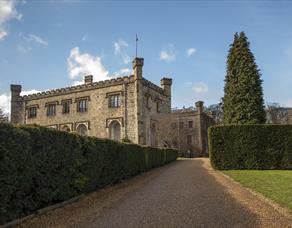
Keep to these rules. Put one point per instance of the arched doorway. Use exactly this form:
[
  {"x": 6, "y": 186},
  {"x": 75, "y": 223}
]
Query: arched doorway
[
  {"x": 82, "y": 129},
  {"x": 115, "y": 130},
  {"x": 66, "y": 128}
]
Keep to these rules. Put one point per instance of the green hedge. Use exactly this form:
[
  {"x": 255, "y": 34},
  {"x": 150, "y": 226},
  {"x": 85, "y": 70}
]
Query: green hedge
[
  {"x": 40, "y": 166},
  {"x": 250, "y": 146}
]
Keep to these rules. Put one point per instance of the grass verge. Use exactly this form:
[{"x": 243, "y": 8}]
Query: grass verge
[
  {"x": 183, "y": 158},
  {"x": 274, "y": 184}
]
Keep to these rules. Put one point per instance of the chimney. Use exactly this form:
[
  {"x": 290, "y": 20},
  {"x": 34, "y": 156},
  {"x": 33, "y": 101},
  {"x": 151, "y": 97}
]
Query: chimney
[
  {"x": 137, "y": 67},
  {"x": 88, "y": 79},
  {"x": 199, "y": 106},
  {"x": 166, "y": 85}
]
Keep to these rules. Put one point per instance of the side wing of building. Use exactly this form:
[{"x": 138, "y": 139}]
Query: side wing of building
[{"x": 185, "y": 130}]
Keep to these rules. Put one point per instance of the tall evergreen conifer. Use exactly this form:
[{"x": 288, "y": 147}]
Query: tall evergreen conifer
[{"x": 243, "y": 94}]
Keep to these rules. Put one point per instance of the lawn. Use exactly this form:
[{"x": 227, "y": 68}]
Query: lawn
[{"x": 274, "y": 184}]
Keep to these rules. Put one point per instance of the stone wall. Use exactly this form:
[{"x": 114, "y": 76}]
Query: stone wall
[
  {"x": 154, "y": 101},
  {"x": 144, "y": 115},
  {"x": 98, "y": 116},
  {"x": 139, "y": 99},
  {"x": 185, "y": 130}
]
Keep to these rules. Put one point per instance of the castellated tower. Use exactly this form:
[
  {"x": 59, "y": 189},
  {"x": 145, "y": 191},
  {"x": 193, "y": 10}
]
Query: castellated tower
[
  {"x": 200, "y": 121},
  {"x": 165, "y": 84},
  {"x": 200, "y": 107},
  {"x": 137, "y": 67},
  {"x": 17, "y": 112},
  {"x": 138, "y": 76}
]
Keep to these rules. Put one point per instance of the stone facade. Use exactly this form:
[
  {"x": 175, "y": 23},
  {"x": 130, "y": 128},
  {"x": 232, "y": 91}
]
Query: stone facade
[
  {"x": 130, "y": 108},
  {"x": 186, "y": 130},
  {"x": 115, "y": 108}
]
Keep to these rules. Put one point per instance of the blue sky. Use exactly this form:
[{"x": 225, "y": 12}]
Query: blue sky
[{"x": 52, "y": 44}]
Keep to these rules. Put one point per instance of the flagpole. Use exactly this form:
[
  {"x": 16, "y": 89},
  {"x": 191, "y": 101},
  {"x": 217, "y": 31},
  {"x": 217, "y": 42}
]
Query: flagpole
[{"x": 136, "y": 44}]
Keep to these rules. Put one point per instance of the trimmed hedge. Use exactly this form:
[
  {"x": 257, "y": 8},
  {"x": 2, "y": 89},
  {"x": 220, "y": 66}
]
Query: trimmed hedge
[
  {"x": 250, "y": 146},
  {"x": 40, "y": 166}
]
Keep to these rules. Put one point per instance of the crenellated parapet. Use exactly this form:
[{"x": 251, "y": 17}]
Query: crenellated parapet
[
  {"x": 153, "y": 86},
  {"x": 80, "y": 88}
]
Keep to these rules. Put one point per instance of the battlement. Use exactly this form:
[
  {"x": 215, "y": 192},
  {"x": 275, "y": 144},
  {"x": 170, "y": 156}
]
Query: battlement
[
  {"x": 166, "y": 81},
  {"x": 15, "y": 88},
  {"x": 80, "y": 88},
  {"x": 197, "y": 109},
  {"x": 153, "y": 86}
]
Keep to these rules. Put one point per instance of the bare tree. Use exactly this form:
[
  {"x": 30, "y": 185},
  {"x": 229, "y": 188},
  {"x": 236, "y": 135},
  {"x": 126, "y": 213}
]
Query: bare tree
[
  {"x": 167, "y": 132},
  {"x": 276, "y": 114},
  {"x": 217, "y": 111},
  {"x": 3, "y": 116}
]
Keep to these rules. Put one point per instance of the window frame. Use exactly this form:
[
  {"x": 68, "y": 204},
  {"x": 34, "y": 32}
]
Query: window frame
[
  {"x": 158, "y": 106},
  {"x": 82, "y": 105},
  {"x": 190, "y": 123},
  {"x": 29, "y": 113},
  {"x": 64, "y": 104},
  {"x": 114, "y": 100},
  {"x": 51, "y": 109},
  {"x": 147, "y": 101}
]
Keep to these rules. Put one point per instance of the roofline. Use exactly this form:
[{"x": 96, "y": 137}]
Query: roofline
[{"x": 80, "y": 88}]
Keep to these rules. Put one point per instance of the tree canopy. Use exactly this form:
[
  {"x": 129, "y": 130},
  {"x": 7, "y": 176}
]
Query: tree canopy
[
  {"x": 3, "y": 116},
  {"x": 243, "y": 101}
]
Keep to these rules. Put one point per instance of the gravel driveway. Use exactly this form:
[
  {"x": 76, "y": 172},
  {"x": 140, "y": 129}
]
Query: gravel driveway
[{"x": 186, "y": 193}]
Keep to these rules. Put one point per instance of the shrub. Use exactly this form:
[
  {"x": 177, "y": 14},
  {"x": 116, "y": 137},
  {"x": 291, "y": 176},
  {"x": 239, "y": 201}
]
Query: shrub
[
  {"x": 40, "y": 166},
  {"x": 57, "y": 160},
  {"x": 16, "y": 171},
  {"x": 251, "y": 146}
]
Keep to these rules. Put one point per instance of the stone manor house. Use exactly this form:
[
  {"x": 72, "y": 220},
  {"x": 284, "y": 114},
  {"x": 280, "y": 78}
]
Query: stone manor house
[{"x": 127, "y": 108}]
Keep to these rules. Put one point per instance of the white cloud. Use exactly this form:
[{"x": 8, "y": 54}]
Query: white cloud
[
  {"x": 200, "y": 88},
  {"x": 7, "y": 13},
  {"x": 5, "y": 103},
  {"x": 80, "y": 65},
  {"x": 5, "y": 99},
  {"x": 191, "y": 51},
  {"x": 120, "y": 50},
  {"x": 28, "y": 92},
  {"x": 79, "y": 82},
  {"x": 122, "y": 72},
  {"x": 36, "y": 39},
  {"x": 24, "y": 47},
  {"x": 168, "y": 54}
]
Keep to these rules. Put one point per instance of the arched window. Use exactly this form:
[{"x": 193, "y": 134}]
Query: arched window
[
  {"x": 115, "y": 130},
  {"x": 82, "y": 129},
  {"x": 66, "y": 128}
]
